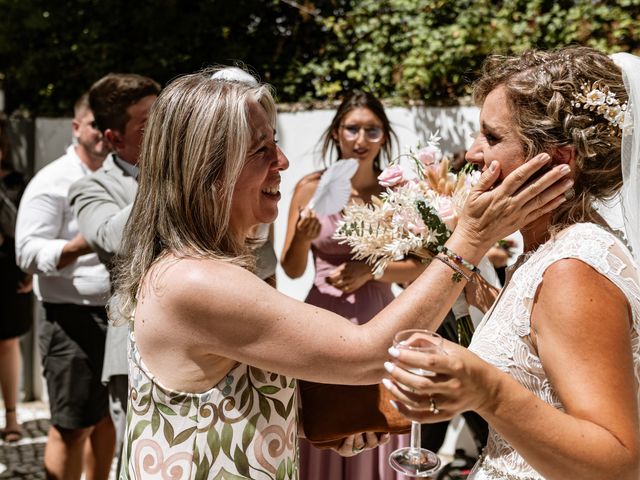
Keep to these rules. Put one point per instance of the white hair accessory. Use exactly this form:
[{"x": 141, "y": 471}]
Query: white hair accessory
[
  {"x": 603, "y": 102},
  {"x": 235, "y": 74}
]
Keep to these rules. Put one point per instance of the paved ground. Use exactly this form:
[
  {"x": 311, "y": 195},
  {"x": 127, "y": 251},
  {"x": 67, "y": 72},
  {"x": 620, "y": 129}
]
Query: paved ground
[{"x": 23, "y": 460}]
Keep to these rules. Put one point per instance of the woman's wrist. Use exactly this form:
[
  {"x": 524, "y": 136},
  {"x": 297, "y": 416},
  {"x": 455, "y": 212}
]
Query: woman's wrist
[
  {"x": 495, "y": 383},
  {"x": 468, "y": 248},
  {"x": 301, "y": 239}
]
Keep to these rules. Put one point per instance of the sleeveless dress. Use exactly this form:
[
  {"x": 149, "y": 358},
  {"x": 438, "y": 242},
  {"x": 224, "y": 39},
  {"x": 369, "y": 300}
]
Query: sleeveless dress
[
  {"x": 503, "y": 338},
  {"x": 359, "y": 307},
  {"x": 245, "y": 427}
]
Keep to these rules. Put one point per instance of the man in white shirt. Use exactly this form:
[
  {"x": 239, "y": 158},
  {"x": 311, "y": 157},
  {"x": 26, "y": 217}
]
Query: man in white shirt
[
  {"x": 102, "y": 203},
  {"x": 74, "y": 287}
]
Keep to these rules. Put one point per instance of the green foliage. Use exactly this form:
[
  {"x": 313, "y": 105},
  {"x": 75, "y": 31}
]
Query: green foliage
[
  {"x": 403, "y": 50},
  {"x": 50, "y": 52},
  {"x": 430, "y": 50}
]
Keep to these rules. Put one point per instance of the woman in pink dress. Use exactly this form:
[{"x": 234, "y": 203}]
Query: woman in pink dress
[{"x": 360, "y": 130}]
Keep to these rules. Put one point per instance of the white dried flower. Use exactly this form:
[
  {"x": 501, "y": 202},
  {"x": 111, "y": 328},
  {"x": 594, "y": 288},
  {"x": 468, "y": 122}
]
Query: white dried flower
[{"x": 601, "y": 101}]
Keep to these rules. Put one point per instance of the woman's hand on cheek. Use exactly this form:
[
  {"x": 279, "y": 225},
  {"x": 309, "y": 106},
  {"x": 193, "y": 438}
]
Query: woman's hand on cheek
[
  {"x": 494, "y": 211},
  {"x": 461, "y": 382}
]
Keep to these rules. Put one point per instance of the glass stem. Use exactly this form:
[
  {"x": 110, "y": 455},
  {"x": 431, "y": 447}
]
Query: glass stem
[{"x": 415, "y": 439}]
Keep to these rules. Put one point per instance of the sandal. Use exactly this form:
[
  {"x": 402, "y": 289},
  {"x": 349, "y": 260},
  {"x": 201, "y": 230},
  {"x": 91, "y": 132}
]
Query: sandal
[{"x": 11, "y": 436}]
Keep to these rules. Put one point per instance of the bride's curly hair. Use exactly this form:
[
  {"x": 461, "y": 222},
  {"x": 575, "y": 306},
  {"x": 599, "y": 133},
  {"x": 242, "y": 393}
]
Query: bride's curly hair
[{"x": 540, "y": 88}]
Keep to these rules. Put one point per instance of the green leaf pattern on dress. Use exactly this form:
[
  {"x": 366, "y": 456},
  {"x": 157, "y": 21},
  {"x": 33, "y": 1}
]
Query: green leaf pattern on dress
[{"x": 245, "y": 427}]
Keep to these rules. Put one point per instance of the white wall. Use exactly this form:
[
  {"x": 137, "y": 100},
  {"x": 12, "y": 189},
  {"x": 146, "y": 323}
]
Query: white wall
[
  {"x": 52, "y": 137},
  {"x": 299, "y": 135}
]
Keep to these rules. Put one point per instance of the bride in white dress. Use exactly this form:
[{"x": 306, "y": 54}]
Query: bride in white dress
[{"x": 554, "y": 367}]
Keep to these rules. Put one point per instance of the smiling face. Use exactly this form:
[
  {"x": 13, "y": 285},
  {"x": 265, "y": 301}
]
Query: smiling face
[
  {"x": 257, "y": 191},
  {"x": 497, "y": 139},
  {"x": 360, "y": 135}
]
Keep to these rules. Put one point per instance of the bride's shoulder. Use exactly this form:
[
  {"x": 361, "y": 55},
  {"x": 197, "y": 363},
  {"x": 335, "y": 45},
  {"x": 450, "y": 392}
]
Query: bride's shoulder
[
  {"x": 597, "y": 246},
  {"x": 585, "y": 232},
  {"x": 592, "y": 236}
]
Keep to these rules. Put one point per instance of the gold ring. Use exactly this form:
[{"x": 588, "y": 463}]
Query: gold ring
[{"x": 433, "y": 408}]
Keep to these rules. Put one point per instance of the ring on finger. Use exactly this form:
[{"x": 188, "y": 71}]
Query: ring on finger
[
  {"x": 433, "y": 408},
  {"x": 355, "y": 449}
]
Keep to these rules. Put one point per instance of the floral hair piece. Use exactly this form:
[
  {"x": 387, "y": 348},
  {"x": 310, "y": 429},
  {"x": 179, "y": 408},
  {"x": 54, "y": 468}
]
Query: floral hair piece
[{"x": 603, "y": 102}]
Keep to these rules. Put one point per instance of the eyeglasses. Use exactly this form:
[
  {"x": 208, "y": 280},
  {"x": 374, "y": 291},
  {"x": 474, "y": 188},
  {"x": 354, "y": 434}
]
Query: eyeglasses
[{"x": 372, "y": 134}]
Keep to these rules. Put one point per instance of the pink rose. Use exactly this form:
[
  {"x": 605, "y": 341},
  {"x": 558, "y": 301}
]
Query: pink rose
[
  {"x": 392, "y": 176},
  {"x": 427, "y": 155},
  {"x": 417, "y": 229},
  {"x": 447, "y": 212}
]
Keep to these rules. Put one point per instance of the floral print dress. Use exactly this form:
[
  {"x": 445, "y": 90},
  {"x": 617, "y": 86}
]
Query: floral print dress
[{"x": 243, "y": 427}]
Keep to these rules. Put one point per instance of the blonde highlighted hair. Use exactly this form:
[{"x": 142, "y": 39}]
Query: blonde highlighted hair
[{"x": 194, "y": 147}]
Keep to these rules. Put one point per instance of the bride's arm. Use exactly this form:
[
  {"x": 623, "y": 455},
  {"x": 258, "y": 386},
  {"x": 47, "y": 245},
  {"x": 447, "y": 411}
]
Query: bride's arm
[{"x": 582, "y": 328}]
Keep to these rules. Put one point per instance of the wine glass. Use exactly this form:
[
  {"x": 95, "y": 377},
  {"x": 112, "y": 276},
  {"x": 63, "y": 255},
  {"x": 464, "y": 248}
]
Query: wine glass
[{"x": 415, "y": 461}]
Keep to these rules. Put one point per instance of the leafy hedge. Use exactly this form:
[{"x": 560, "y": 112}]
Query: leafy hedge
[{"x": 403, "y": 50}]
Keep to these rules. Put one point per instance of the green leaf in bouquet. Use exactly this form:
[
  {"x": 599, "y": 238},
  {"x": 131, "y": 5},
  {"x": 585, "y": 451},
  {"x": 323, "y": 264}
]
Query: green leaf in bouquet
[{"x": 433, "y": 222}]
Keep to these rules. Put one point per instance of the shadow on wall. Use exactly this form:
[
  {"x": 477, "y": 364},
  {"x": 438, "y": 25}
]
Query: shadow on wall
[
  {"x": 22, "y": 138},
  {"x": 455, "y": 125}
]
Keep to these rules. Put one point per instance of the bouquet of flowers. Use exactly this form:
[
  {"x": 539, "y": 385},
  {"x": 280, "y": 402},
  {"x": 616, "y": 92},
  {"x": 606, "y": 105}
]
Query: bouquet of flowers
[{"x": 413, "y": 217}]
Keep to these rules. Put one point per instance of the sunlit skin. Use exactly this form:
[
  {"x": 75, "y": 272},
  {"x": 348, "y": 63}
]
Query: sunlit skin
[
  {"x": 257, "y": 191},
  {"x": 91, "y": 146},
  {"x": 580, "y": 327},
  {"x": 192, "y": 332},
  {"x": 498, "y": 141}
]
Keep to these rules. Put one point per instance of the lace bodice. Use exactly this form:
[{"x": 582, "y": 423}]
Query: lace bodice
[{"x": 503, "y": 338}]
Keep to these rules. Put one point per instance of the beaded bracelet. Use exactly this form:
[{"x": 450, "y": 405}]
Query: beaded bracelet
[
  {"x": 457, "y": 258},
  {"x": 458, "y": 274}
]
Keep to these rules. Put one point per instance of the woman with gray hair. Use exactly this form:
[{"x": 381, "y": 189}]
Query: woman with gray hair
[
  {"x": 554, "y": 368},
  {"x": 214, "y": 351}
]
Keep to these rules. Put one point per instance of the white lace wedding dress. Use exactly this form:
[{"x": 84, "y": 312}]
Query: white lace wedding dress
[{"x": 503, "y": 338}]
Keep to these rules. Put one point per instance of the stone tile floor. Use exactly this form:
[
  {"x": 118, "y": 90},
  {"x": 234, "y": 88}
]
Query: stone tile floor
[{"x": 23, "y": 460}]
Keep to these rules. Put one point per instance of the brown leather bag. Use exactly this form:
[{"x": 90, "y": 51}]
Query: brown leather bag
[{"x": 332, "y": 412}]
